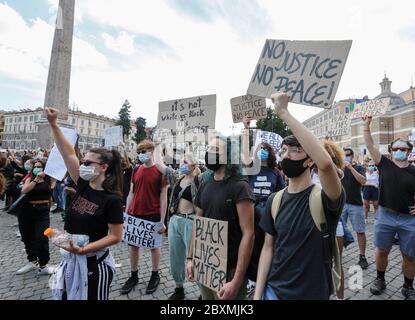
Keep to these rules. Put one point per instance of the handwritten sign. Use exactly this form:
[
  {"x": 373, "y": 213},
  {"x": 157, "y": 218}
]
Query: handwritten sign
[
  {"x": 210, "y": 252},
  {"x": 249, "y": 106},
  {"x": 308, "y": 71},
  {"x": 273, "y": 139},
  {"x": 190, "y": 113},
  {"x": 141, "y": 233},
  {"x": 55, "y": 166},
  {"x": 339, "y": 125},
  {"x": 113, "y": 137},
  {"x": 371, "y": 108}
]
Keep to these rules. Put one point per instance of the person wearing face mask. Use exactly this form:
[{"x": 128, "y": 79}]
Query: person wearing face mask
[
  {"x": 396, "y": 214},
  {"x": 182, "y": 213},
  {"x": 293, "y": 262},
  {"x": 226, "y": 196},
  {"x": 147, "y": 200},
  {"x": 96, "y": 211},
  {"x": 371, "y": 189},
  {"x": 353, "y": 181},
  {"x": 34, "y": 219}
]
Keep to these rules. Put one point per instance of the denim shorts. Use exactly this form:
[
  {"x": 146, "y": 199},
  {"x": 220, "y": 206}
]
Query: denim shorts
[
  {"x": 357, "y": 217},
  {"x": 388, "y": 223}
]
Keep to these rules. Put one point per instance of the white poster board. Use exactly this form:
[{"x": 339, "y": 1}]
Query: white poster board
[
  {"x": 371, "y": 108},
  {"x": 55, "y": 166},
  {"x": 248, "y": 106},
  {"x": 210, "y": 252},
  {"x": 141, "y": 233},
  {"x": 188, "y": 114},
  {"x": 113, "y": 137},
  {"x": 339, "y": 125},
  {"x": 273, "y": 139},
  {"x": 308, "y": 71}
]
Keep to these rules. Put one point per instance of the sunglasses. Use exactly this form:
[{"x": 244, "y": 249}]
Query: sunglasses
[
  {"x": 142, "y": 152},
  {"x": 401, "y": 149},
  {"x": 87, "y": 163},
  {"x": 348, "y": 155}
]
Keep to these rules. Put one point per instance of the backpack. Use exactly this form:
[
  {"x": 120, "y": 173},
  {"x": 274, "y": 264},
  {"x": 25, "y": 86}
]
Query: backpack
[
  {"x": 252, "y": 269},
  {"x": 330, "y": 247}
]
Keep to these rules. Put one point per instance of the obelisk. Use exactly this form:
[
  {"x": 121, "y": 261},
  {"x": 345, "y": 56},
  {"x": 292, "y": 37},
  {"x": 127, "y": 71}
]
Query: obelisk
[{"x": 59, "y": 77}]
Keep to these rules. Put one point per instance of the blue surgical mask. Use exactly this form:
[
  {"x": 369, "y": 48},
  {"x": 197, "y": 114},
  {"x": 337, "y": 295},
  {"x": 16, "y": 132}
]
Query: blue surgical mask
[
  {"x": 27, "y": 167},
  {"x": 263, "y": 155},
  {"x": 400, "y": 155},
  {"x": 348, "y": 159},
  {"x": 143, "y": 157},
  {"x": 37, "y": 171},
  {"x": 184, "y": 169},
  {"x": 372, "y": 168}
]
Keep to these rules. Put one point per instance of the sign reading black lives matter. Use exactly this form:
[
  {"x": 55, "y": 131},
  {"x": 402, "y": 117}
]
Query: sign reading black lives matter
[
  {"x": 249, "y": 106},
  {"x": 339, "y": 125},
  {"x": 210, "y": 252},
  {"x": 197, "y": 113},
  {"x": 141, "y": 233},
  {"x": 308, "y": 71}
]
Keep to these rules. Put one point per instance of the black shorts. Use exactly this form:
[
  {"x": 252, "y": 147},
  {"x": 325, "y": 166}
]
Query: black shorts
[{"x": 370, "y": 193}]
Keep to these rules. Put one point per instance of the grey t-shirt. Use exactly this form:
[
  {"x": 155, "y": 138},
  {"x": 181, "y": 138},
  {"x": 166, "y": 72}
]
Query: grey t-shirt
[{"x": 298, "y": 271}]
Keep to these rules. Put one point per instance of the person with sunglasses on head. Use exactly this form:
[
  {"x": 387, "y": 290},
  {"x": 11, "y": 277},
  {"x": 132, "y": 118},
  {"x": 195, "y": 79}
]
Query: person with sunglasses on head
[
  {"x": 147, "y": 200},
  {"x": 34, "y": 219},
  {"x": 96, "y": 211},
  {"x": 353, "y": 181},
  {"x": 396, "y": 214},
  {"x": 294, "y": 264}
]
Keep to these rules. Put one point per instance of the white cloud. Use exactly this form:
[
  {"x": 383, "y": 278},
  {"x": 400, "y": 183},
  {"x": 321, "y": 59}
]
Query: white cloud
[{"x": 123, "y": 44}]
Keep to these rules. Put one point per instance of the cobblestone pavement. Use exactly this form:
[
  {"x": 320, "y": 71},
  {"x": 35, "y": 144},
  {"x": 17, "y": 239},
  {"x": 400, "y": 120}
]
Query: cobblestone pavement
[{"x": 32, "y": 287}]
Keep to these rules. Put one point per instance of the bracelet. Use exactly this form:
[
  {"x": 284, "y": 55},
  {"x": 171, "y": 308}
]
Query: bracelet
[{"x": 189, "y": 258}]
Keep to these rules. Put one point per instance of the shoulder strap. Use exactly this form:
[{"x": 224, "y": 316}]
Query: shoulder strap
[
  {"x": 320, "y": 220},
  {"x": 276, "y": 202}
]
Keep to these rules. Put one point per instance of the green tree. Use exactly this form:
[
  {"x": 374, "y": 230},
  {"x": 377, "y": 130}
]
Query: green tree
[
  {"x": 125, "y": 119},
  {"x": 141, "y": 134},
  {"x": 273, "y": 124}
]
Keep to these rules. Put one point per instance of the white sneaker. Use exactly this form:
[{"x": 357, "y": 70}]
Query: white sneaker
[
  {"x": 28, "y": 267},
  {"x": 45, "y": 271}
]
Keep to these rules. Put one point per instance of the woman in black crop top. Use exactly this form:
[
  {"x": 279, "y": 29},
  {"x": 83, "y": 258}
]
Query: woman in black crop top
[
  {"x": 96, "y": 209},
  {"x": 182, "y": 213},
  {"x": 34, "y": 219}
]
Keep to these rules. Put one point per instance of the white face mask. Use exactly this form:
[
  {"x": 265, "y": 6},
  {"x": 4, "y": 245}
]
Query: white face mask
[{"x": 87, "y": 173}]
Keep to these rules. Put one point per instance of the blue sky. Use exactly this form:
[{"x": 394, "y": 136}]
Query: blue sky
[{"x": 169, "y": 49}]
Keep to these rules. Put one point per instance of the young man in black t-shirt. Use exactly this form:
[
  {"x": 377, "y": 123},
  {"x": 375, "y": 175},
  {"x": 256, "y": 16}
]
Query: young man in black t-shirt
[
  {"x": 292, "y": 264},
  {"x": 396, "y": 211},
  {"x": 354, "y": 179}
]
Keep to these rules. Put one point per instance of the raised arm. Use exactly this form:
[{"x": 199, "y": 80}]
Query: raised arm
[
  {"x": 370, "y": 144},
  {"x": 65, "y": 148},
  {"x": 330, "y": 181}
]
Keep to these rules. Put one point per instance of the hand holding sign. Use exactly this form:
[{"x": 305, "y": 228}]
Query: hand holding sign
[
  {"x": 280, "y": 101},
  {"x": 247, "y": 122},
  {"x": 189, "y": 270},
  {"x": 229, "y": 291},
  {"x": 367, "y": 121}
]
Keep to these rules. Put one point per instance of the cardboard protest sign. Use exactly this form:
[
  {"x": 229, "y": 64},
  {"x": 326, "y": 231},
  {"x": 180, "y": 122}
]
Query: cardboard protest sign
[
  {"x": 273, "y": 139},
  {"x": 371, "y": 108},
  {"x": 339, "y": 125},
  {"x": 113, "y": 137},
  {"x": 249, "y": 106},
  {"x": 308, "y": 71},
  {"x": 188, "y": 114},
  {"x": 210, "y": 252},
  {"x": 141, "y": 233},
  {"x": 55, "y": 166}
]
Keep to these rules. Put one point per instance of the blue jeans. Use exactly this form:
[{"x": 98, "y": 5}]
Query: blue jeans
[
  {"x": 59, "y": 195},
  {"x": 357, "y": 217},
  {"x": 180, "y": 231}
]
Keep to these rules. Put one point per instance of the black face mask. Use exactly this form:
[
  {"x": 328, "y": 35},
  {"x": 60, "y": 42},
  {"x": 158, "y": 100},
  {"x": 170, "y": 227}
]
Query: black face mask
[
  {"x": 293, "y": 168},
  {"x": 212, "y": 157}
]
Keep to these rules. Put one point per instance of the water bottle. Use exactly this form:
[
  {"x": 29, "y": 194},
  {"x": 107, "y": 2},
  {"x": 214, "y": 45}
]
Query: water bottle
[{"x": 62, "y": 238}]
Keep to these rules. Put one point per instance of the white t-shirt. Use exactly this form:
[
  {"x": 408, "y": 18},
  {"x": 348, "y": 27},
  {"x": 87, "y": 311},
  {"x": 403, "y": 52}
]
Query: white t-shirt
[{"x": 372, "y": 179}]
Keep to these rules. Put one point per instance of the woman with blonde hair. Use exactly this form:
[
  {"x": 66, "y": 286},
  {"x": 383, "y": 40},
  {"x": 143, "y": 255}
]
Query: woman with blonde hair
[{"x": 182, "y": 213}]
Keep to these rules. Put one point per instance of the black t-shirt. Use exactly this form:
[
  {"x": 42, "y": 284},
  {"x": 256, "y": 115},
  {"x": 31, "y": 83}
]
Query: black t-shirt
[
  {"x": 298, "y": 271},
  {"x": 91, "y": 211},
  {"x": 212, "y": 199},
  {"x": 352, "y": 187},
  {"x": 126, "y": 183},
  {"x": 396, "y": 186}
]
